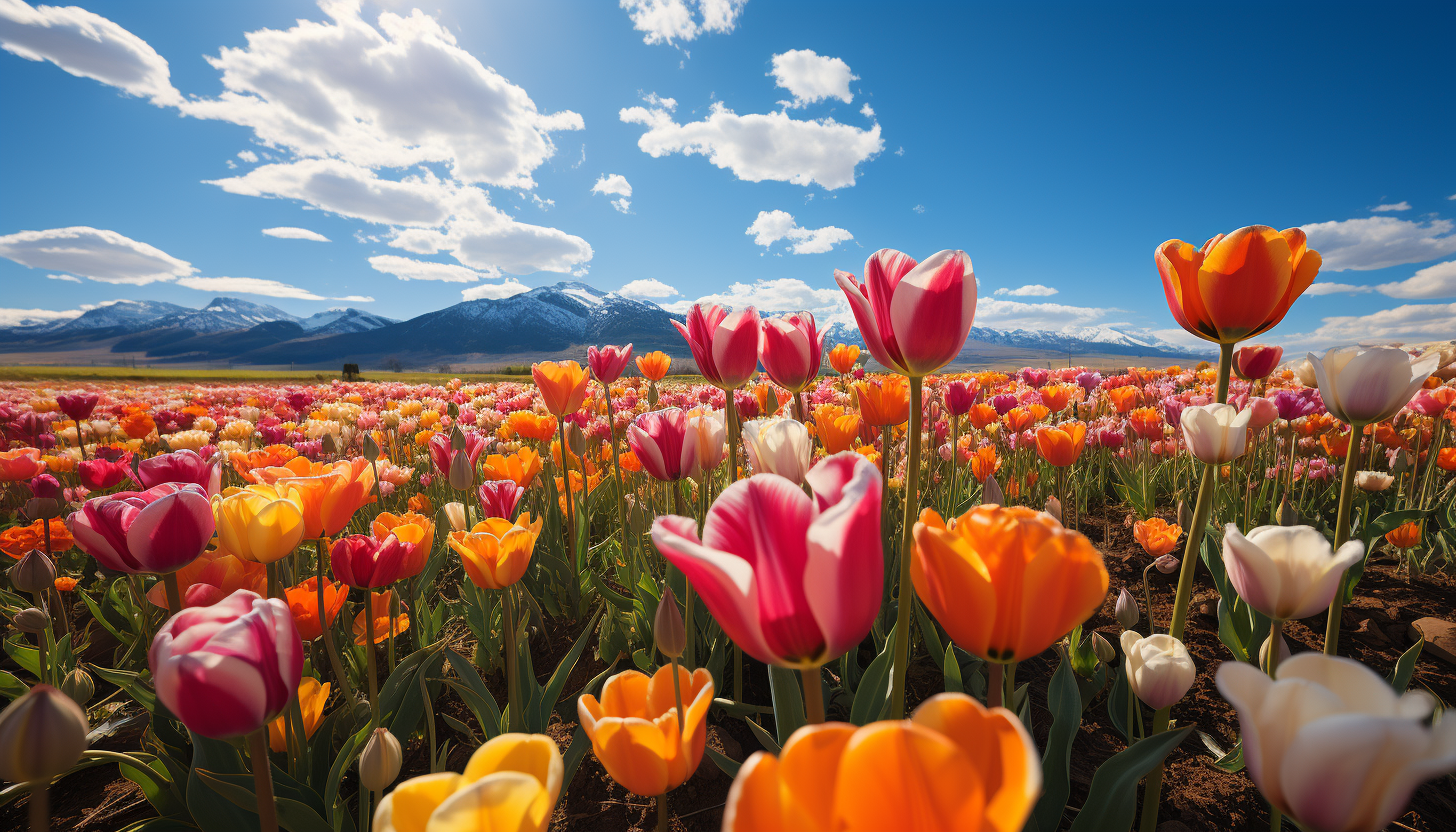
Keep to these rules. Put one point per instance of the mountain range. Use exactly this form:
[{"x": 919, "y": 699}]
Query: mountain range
[{"x": 546, "y": 322}]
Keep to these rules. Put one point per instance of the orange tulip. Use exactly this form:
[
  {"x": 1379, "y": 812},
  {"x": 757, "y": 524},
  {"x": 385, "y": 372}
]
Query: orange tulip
[
  {"x": 1446, "y": 459},
  {"x": 273, "y": 456},
  {"x": 1336, "y": 444},
  {"x": 1157, "y": 536},
  {"x": 138, "y": 424},
  {"x": 1238, "y": 285},
  {"x": 216, "y": 574},
  {"x": 1124, "y": 398},
  {"x": 420, "y": 504},
  {"x": 562, "y": 385},
  {"x": 884, "y": 400},
  {"x": 1005, "y": 582},
  {"x": 837, "y": 431},
  {"x": 654, "y": 365},
  {"x": 1147, "y": 422},
  {"x": 496, "y": 552},
  {"x": 21, "y": 464},
  {"x": 520, "y": 467},
  {"x": 954, "y": 765},
  {"x": 312, "y": 697},
  {"x": 330, "y": 498},
  {"x": 65, "y": 583},
  {"x": 1405, "y": 536},
  {"x": 982, "y": 414},
  {"x": 630, "y": 462},
  {"x": 1061, "y": 444},
  {"x": 1056, "y": 397},
  {"x": 843, "y": 357},
  {"x": 379, "y": 605},
  {"x": 985, "y": 463},
  {"x": 303, "y": 602},
  {"x": 634, "y": 728},
  {"x": 18, "y": 541},
  {"x": 1018, "y": 419},
  {"x": 409, "y": 528},
  {"x": 530, "y": 425}
]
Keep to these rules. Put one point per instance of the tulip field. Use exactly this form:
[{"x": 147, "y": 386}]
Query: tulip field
[{"x": 815, "y": 586}]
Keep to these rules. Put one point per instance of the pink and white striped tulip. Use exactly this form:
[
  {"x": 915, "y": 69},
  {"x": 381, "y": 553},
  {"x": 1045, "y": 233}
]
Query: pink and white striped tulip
[
  {"x": 793, "y": 348},
  {"x": 724, "y": 344},
  {"x": 228, "y": 669},
  {"x": 914, "y": 316},
  {"x": 157, "y": 531},
  {"x": 710, "y": 441},
  {"x": 663, "y": 444},
  {"x": 181, "y": 467},
  {"x": 795, "y": 581},
  {"x": 608, "y": 362}
]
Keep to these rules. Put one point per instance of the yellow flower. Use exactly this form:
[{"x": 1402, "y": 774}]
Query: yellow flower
[
  {"x": 311, "y": 697},
  {"x": 260, "y": 523},
  {"x": 496, "y": 552},
  {"x": 510, "y": 783}
]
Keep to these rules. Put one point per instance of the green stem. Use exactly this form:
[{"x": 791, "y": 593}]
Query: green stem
[
  {"x": 677, "y": 503},
  {"x": 508, "y": 646},
  {"x": 621, "y": 493},
  {"x": 995, "y": 689},
  {"x": 1342, "y": 534},
  {"x": 677, "y": 695},
  {"x": 566, "y": 483},
  {"x": 370, "y": 661},
  {"x": 906, "y": 592},
  {"x": 40, "y": 806},
  {"x": 813, "y": 695},
  {"x": 262, "y": 780},
  {"x": 662, "y": 822},
  {"x": 1276, "y": 643},
  {"x": 327, "y": 632}
]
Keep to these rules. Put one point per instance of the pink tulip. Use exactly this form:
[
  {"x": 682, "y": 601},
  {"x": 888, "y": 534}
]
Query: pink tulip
[
  {"x": 914, "y": 317},
  {"x": 442, "y": 453},
  {"x": 181, "y": 467},
  {"x": 608, "y": 362},
  {"x": 961, "y": 395},
  {"x": 1263, "y": 414},
  {"x": 1256, "y": 361},
  {"x": 724, "y": 344},
  {"x": 78, "y": 406},
  {"x": 366, "y": 563},
  {"x": 793, "y": 348},
  {"x": 498, "y": 498},
  {"x": 795, "y": 581},
  {"x": 159, "y": 530},
  {"x": 228, "y": 669},
  {"x": 98, "y": 474},
  {"x": 663, "y": 444}
]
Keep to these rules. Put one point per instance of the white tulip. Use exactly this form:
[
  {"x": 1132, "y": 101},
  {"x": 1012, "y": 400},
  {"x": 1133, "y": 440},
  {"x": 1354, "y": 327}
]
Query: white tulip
[
  {"x": 779, "y": 446},
  {"x": 1373, "y": 481},
  {"x": 712, "y": 443},
  {"x": 1331, "y": 744},
  {"x": 1286, "y": 572},
  {"x": 1363, "y": 385},
  {"x": 1159, "y": 669},
  {"x": 1215, "y": 433}
]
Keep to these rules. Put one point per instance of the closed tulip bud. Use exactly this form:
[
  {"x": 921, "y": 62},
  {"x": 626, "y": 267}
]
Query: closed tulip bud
[
  {"x": 42, "y": 734},
  {"x": 1054, "y": 508},
  {"x": 1185, "y": 515},
  {"x": 1105, "y": 653},
  {"x": 1167, "y": 564},
  {"x": 33, "y": 573},
  {"x": 1256, "y": 361},
  {"x": 461, "y": 472},
  {"x": 79, "y": 685},
  {"x": 371, "y": 448},
  {"x": 1286, "y": 514},
  {"x": 1159, "y": 669},
  {"x": 31, "y": 620},
  {"x": 991, "y": 493},
  {"x": 1127, "y": 611},
  {"x": 327, "y": 443},
  {"x": 380, "y": 761},
  {"x": 46, "y": 487},
  {"x": 575, "y": 438},
  {"x": 455, "y": 515},
  {"x": 1215, "y": 433},
  {"x": 667, "y": 626},
  {"x": 42, "y": 508},
  {"x": 1264, "y": 650}
]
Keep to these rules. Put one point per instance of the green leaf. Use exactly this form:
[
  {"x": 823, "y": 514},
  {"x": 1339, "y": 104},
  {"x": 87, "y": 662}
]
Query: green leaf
[
  {"x": 1228, "y": 634},
  {"x": 293, "y": 815},
  {"x": 764, "y": 738},
  {"x": 1117, "y": 705},
  {"x": 572, "y": 759},
  {"x": 1064, "y": 700},
  {"x": 215, "y": 757},
  {"x": 1406, "y": 665},
  {"x": 552, "y": 692},
  {"x": 927, "y": 630},
  {"x": 484, "y": 705},
  {"x": 788, "y": 703},
  {"x": 726, "y": 765},
  {"x": 1112, "y": 797},
  {"x": 874, "y": 688},
  {"x": 155, "y": 786},
  {"x": 612, "y": 596},
  {"x": 11, "y": 687},
  {"x": 952, "y": 669},
  {"x": 1231, "y": 760}
]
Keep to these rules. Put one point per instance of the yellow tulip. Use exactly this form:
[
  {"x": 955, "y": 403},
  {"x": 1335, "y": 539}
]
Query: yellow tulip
[
  {"x": 510, "y": 783},
  {"x": 496, "y": 552},
  {"x": 259, "y": 523},
  {"x": 312, "y": 697}
]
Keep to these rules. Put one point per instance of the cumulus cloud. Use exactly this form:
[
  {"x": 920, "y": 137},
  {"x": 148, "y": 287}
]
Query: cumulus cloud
[
  {"x": 812, "y": 77},
  {"x": 1393, "y": 206},
  {"x": 1013, "y": 314},
  {"x": 495, "y": 291},
  {"x": 1335, "y": 289},
  {"x": 1029, "y": 290},
  {"x": 248, "y": 156},
  {"x": 87, "y": 45},
  {"x": 259, "y": 286},
  {"x": 406, "y": 268},
  {"x": 36, "y": 317},
  {"x": 667, "y": 21},
  {"x": 69, "y": 278},
  {"x": 1410, "y": 322},
  {"x": 761, "y": 146},
  {"x": 101, "y": 255},
  {"x": 867, "y": 111},
  {"x": 1379, "y": 242},
  {"x": 1438, "y": 281},
  {"x": 771, "y": 226},
  {"x": 291, "y": 233},
  {"x": 647, "y": 287},
  {"x": 615, "y": 184},
  {"x": 785, "y": 294}
]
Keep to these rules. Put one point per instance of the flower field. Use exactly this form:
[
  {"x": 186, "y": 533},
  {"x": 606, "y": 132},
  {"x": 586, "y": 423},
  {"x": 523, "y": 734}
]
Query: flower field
[{"x": 793, "y": 595}]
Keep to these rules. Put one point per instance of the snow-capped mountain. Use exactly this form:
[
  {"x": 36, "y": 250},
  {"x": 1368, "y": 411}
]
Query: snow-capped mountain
[
  {"x": 336, "y": 321},
  {"x": 123, "y": 315},
  {"x": 224, "y": 314}
]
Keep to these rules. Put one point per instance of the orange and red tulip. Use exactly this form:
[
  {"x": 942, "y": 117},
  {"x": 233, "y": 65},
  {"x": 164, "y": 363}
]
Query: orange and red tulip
[
  {"x": 562, "y": 385},
  {"x": 1060, "y": 445},
  {"x": 1239, "y": 284},
  {"x": 497, "y": 551}
]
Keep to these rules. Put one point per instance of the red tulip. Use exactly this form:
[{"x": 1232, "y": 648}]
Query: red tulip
[
  {"x": 793, "y": 348},
  {"x": 442, "y": 453},
  {"x": 608, "y": 363},
  {"x": 724, "y": 344},
  {"x": 78, "y": 406},
  {"x": 366, "y": 563},
  {"x": 159, "y": 530},
  {"x": 914, "y": 317},
  {"x": 960, "y": 395},
  {"x": 99, "y": 474},
  {"x": 498, "y": 498},
  {"x": 1256, "y": 361}
]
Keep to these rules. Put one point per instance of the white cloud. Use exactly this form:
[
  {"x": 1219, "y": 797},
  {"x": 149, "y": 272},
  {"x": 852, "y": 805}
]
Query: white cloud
[
  {"x": 34, "y": 317},
  {"x": 1379, "y": 242},
  {"x": 291, "y": 233},
  {"x": 1411, "y": 322},
  {"x": 101, "y": 255},
  {"x": 771, "y": 226},
  {"x": 66, "y": 277},
  {"x": 259, "y": 286},
  {"x": 248, "y": 156},
  {"x": 406, "y": 268},
  {"x": 1438, "y": 281},
  {"x": 1013, "y": 314},
  {"x": 495, "y": 291},
  {"x": 786, "y": 294},
  {"x": 613, "y": 183},
  {"x": 919, "y": 209},
  {"x": 1393, "y": 206},
  {"x": 867, "y": 111},
  {"x": 647, "y": 287},
  {"x": 657, "y": 102},
  {"x": 87, "y": 45},
  {"x": 1335, "y": 289},
  {"x": 762, "y": 146},
  {"x": 666, "y": 21},
  {"x": 1029, "y": 290},
  {"x": 812, "y": 77}
]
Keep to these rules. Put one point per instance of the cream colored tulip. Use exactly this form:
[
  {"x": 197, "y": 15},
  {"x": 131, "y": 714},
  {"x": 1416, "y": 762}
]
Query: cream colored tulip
[
  {"x": 1363, "y": 385},
  {"x": 1159, "y": 669},
  {"x": 510, "y": 783},
  {"x": 712, "y": 444},
  {"x": 1215, "y": 433},
  {"x": 1286, "y": 572},
  {"x": 779, "y": 446},
  {"x": 1331, "y": 744},
  {"x": 455, "y": 514},
  {"x": 1373, "y": 481}
]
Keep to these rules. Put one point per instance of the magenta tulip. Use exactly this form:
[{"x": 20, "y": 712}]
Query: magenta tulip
[
  {"x": 608, "y": 362},
  {"x": 1256, "y": 361},
  {"x": 442, "y": 453},
  {"x": 663, "y": 444},
  {"x": 793, "y": 347},
  {"x": 100, "y": 474},
  {"x": 961, "y": 395},
  {"x": 795, "y": 581},
  {"x": 159, "y": 530},
  {"x": 78, "y": 406},
  {"x": 366, "y": 563},
  {"x": 498, "y": 498},
  {"x": 228, "y": 669},
  {"x": 724, "y": 344},
  {"x": 914, "y": 317},
  {"x": 181, "y": 467}
]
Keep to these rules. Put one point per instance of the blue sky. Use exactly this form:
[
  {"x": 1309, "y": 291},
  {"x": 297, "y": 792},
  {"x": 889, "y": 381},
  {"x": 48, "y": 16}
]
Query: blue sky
[{"x": 680, "y": 149}]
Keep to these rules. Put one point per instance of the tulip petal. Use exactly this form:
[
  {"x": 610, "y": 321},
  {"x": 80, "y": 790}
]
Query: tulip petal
[
  {"x": 864, "y": 317},
  {"x": 507, "y": 800},
  {"x": 1001, "y": 749},
  {"x": 1251, "y": 571},
  {"x": 407, "y": 808},
  {"x": 171, "y": 532},
  {"x": 754, "y": 799},
  {"x": 898, "y": 775},
  {"x": 724, "y": 580},
  {"x": 933, "y": 309},
  {"x": 533, "y": 754},
  {"x": 807, "y": 773},
  {"x": 635, "y": 753},
  {"x": 844, "y": 573}
]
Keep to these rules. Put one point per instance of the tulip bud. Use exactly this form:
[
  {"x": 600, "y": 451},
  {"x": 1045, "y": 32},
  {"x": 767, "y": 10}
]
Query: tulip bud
[
  {"x": 1054, "y": 508},
  {"x": 31, "y": 620},
  {"x": 575, "y": 439},
  {"x": 461, "y": 472},
  {"x": 1105, "y": 653},
  {"x": 991, "y": 493},
  {"x": 457, "y": 439},
  {"x": 1264, "y": 650},
  {"x": 453, "y": 409},
  {"x": 455, "y": 514},
  {"x": 1127, "y": 611},
  {"x": 667, "y": 625},
  {"x": 380, "y": 762},
  {"x": 1185, "y": 517},
  {"x": 371, "y": 448},
  {"x": 42, "y": 734},
  {"x": 33, "y": 573},
  {"x": 79, "y": 685},
  {"x": 1167, "y": 564},
  {"x": 1286, "y": 515},
  {"x": 42, "y": 508},
  {"x": 327, "y": 443},
  {"x": 1159, "y": 669}
]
